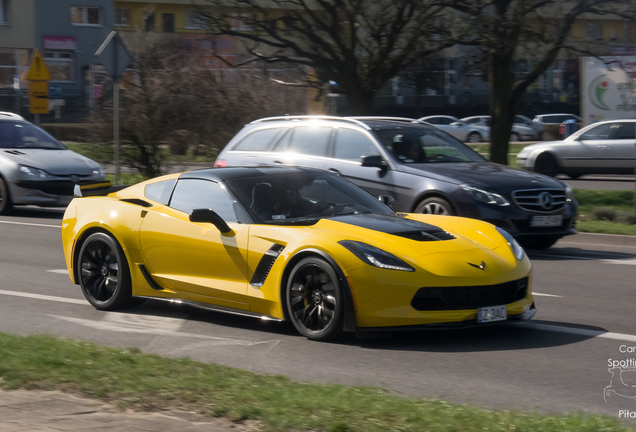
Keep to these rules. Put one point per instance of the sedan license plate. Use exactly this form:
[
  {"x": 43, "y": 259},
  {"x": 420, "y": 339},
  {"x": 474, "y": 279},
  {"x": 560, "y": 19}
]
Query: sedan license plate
[
  {"x": 546, "y": 221},
  {"x": 492, "y": 313}
]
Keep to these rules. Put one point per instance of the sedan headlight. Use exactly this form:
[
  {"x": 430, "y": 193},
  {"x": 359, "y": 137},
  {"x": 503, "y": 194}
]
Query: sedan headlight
[
  {"x": 34, "y": 173},
  {"x": 515, "y": 247},
  {"x": 375, "y": 257},
  {"x": 485, "y": 196},
  {"x": 569, "y": 194},
  {"x": 98, "y": 173}
]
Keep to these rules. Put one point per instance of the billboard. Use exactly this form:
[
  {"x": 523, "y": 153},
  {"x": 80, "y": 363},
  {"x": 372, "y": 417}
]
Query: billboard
[{"x": 608, "y": 88}]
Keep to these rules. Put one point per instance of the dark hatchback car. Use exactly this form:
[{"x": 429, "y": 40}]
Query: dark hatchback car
[{"x": 415, "y": 164}]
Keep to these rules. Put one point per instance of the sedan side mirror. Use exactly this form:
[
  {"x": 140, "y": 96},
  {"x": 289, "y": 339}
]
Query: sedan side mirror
[
  {"x": 387, "y": 200},
  {"x": 376, "y": 161},
  {"x": 209, "y": 216}
]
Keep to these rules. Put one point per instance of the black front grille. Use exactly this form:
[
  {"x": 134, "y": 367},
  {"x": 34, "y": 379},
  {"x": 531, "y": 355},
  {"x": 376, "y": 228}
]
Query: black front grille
[
  {"x": 540, "y": 200},
  {"x": 469, "y": 297},
  {"x": 426, "y": 236}
]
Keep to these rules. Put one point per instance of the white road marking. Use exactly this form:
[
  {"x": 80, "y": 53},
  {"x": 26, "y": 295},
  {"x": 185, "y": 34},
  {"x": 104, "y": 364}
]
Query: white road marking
[
  {"x": 578, "y": 331},
  {"x": 31, "y": 224},
  {"x": 624, "y": 262},
  {"x": 59, "y": 271},
  {"x": 43, "y": 297},
  {"x": 546, "y": 295}
]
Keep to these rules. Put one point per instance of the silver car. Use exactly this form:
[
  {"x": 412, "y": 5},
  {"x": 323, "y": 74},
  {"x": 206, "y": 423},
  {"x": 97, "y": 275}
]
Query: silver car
[
  {"x": 606, "y": 147},
  {"x": 37, "y": 169},
  {"x": 523, "y": 129},
  {"x": 459, "y": 129}
]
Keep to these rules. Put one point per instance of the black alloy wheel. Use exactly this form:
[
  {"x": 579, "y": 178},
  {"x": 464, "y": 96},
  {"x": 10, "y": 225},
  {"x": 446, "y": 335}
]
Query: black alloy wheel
[
  {"x": 574, "y": 176},
  {"x": 103, "y": 273},
  {"x": 515, "y": 137},
  {"x": 474, "y": 137},
  {"x": 5, "y": 199},
  {"x": 314, "y": 299},
  {"x": 435, "y": 206},
  {"x": 546, "y": 165}
]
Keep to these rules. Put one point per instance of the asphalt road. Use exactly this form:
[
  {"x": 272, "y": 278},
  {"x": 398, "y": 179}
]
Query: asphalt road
[
  {"x": 556, "y": 363},
  {"x": 601, "y": 182}
]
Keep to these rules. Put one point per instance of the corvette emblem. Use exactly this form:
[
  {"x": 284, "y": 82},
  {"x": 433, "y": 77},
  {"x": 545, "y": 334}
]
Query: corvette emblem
[{"x": 480, "y": 266}]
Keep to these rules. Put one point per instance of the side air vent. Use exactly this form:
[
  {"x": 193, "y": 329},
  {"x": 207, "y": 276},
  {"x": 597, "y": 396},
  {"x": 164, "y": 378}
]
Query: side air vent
[
  {"x": 15, "y": 152},
  {"x": 426, "y": 236},
  {"x": 137, "y": 201},
  {"x": 265, "y": 265}
]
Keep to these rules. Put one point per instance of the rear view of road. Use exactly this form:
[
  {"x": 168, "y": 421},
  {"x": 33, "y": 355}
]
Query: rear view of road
[{"x": 557, "y": 362}]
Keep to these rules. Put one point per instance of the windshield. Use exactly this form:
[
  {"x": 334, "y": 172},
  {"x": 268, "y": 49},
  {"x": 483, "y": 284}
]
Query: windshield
[
  {"x": 302, "y": 198},
  {"x": 26, "y": 135},
  {"x": 419, "y": 144}
]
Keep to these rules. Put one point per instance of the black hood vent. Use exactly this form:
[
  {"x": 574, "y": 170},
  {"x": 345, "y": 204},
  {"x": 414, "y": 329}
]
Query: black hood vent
[
  {"x": 15, "y": 152},
  {"x": 395, "y": 225}
]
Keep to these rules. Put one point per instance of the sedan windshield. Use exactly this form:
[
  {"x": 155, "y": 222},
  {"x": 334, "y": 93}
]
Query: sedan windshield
[
  {"x": 419, "y": 144},
  {"x": 302, "y": 198},
  {"x": 26, "y": 135}
]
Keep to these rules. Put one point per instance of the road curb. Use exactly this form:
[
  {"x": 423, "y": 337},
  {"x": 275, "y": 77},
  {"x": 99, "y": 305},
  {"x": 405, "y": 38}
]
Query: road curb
[{"x": 602, "y": 239}]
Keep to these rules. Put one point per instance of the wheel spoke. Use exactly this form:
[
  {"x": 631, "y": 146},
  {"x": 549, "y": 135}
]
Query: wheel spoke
[{"x": 330, "y": 299}]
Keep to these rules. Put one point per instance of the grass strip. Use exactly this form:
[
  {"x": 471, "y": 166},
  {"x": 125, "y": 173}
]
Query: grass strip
[
  {"x": 140, "y": 381},
  {"x": 590, "y": 200}
]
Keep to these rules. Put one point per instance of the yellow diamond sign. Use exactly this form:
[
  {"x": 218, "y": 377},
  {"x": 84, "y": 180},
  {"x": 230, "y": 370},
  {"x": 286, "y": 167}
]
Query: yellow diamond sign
[{"x": 38, "y": 70}]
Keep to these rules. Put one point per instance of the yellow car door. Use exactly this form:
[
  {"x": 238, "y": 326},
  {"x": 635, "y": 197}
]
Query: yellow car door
[{"x": 196, "y": 257}]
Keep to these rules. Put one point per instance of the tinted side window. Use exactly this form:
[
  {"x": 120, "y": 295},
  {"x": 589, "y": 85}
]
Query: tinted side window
[
  {"x": 624, "y": 130},
  {"x": 190, "y": 194},
  {"x": 473, "y": 120},
  {"x": 600, "y": 132},
  {"x": 160, "y": 191},
  {"x": 311, "y": 140},
  {"x": 351, "y": 145},
  {"x": 258, "y": 140},
  {"x": 445, "y": 121},
  {"x": 434, "y": 120}
]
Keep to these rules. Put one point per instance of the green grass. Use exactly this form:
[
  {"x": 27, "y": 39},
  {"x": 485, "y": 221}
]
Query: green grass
[
  {"x": 105, "y": 153},
  {"x": 618, "y": 201},
  {"x": 140, "y": 381},
  {"x": 127, "y": 179}
]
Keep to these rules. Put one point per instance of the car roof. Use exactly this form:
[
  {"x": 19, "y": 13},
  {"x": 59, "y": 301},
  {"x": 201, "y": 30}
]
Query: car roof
[
  {"x": 9, "y": 116},
  {"x": 233, "y": 173},
  {"x": 556, "y": 114},
  {"x": 445, "y": 116},
  {"x": 366, "y": 122}
]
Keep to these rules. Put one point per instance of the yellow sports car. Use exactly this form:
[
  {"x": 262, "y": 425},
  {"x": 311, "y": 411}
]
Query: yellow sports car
[{"x": 288, "y": 243}]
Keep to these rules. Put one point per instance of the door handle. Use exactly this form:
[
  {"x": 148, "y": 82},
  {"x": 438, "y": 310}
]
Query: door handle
[
  {"x": 604, "y": 147},
  {"x": 278, "y": 162},
  {"x": 333, "y": 170}
]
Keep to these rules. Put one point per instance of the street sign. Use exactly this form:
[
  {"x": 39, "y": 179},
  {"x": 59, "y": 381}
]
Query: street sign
[
  {"x": 114, "y": 55},
  {"x": 38, "y": 70},
  {"x": 16, "y": 82},
  {"x": 55, "y": 91},
  {"x": 38, "y": 97}
]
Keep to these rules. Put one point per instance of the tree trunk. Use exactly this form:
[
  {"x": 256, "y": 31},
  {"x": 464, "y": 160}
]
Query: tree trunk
[{"x": 501, "y": 82}]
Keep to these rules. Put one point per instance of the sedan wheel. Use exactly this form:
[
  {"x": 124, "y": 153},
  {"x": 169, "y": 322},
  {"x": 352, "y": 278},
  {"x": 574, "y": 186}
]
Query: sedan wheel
[
  {"x": 435, "y": 206},
  {"x": 546, "y": 165},
  {"x": 103, "y": 273},
  {"x": 515, "y": 137},
  {"x": 5, "y": 200},
  {"x": 474, "y": 137},
  {"x": 314, "y": 299}
]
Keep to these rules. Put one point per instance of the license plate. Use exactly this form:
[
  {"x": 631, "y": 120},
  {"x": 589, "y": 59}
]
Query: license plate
[
  {"x": 491, "y": 314},
  {"x": 546, "y": 221}
]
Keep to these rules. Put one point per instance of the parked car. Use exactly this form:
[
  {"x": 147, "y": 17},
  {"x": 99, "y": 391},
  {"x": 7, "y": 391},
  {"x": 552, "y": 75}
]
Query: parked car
[
  {"x": 605, "y": 147},
  {"x": 523, "y": 129},
  {"x": 291, "y": 243},
  {"x": 555, "y": 118},
  {"x": 37, "y": 169},
  {"x": 459, "y": 129},
  {"x": 421, "y": 168}
]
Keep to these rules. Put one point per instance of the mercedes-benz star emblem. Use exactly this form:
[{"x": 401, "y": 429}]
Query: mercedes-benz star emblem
[
  {"x": 480, "y": 266},
  {"x": 545, "y": 200},
  {"x": 74, "y": 178}
]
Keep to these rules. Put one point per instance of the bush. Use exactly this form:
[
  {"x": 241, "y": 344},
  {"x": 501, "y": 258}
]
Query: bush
[
  {"x": 604, "y": 213},
  {"x": 626, "y": 217}
]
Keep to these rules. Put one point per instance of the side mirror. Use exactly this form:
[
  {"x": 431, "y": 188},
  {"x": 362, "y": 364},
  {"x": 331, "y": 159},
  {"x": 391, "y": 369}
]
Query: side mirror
[
  {"x": 209, "y": 216},
  {"x": 376, "y": 161},
  {"x": 387, "y": 200}
]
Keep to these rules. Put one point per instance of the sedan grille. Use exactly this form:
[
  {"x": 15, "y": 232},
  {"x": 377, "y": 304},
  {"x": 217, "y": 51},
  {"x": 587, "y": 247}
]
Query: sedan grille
[
  {"x": 540, "y": 200},
  {"x": 469, "y": 297}
]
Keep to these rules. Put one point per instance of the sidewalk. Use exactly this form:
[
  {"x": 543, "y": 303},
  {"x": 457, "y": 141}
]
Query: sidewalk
[{"x": 37, "y": 411}]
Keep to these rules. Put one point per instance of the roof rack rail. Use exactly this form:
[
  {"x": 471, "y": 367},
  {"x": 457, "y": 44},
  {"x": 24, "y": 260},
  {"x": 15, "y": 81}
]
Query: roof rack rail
[
  {"x": 11, "y": 115},
  {"x": 402, "y": 119},
  {"x": 314, "y": 117}
]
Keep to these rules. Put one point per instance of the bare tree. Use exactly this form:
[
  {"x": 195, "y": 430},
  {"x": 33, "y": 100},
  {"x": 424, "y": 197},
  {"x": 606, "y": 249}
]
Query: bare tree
[
  {"x": 506, "y": 30},
  {"x": 359, "y": 44}
]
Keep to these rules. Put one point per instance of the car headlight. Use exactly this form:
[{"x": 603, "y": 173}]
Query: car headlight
[
  {"x": 569, "y": 194},
  {"x": 485, "y": 196},
  {"x": 98, "y": 173},
  {"x": 375, "y": 257},
  {"x": 34, "y": 173},
  {"x": 515, "y": 247}
]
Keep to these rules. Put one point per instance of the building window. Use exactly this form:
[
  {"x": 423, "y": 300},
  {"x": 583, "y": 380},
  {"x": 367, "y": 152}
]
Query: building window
[
  {"x": 240, "y": 22},
  {"x": 168, "y": 22},
  {"x": 193, "y": 20},
  {"x": 60, "y": 65},
  {"x": 4, "y": 11},
  {"x": 149, "y": 21},
  {"x": 121, "y": 17},
  {"x": 83, "y": 15},
  {"x": 594, "y": 31}
]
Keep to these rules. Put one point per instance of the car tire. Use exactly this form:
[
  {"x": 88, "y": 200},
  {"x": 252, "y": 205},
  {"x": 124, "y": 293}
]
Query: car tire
[
  {"x": 436, "y": 206},
  {"x": 546, "y": 165},
  {"x": 474, "y": 137},
  {"x": 5, "y": 199},
  {"x": 574, "y": 176},
  {"x": 103, "y": 273},
  {"x": 537, "y": 242},
  {"x": 515, "y": 137},
  {"x": 314, "y": 299}
]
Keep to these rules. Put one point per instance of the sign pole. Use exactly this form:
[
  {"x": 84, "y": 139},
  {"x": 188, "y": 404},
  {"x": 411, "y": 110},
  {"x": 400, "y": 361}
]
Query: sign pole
[
  {"x": 37, "y": 119},
  {"x": 116, "y": 126}
]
